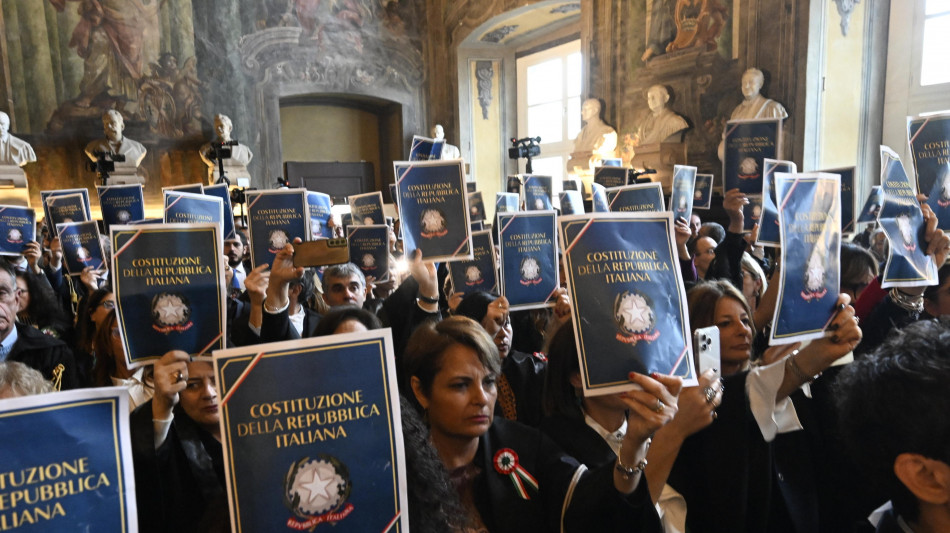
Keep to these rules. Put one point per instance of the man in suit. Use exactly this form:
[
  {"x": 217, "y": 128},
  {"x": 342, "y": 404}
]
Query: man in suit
[{"x": 19, "y": 342}]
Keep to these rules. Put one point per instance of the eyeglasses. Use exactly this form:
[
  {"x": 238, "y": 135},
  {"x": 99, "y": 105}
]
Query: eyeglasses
[{"x": 107, "y": 304}]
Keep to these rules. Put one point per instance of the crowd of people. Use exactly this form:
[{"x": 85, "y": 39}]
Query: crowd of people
[{"x": 792, "y": 438}]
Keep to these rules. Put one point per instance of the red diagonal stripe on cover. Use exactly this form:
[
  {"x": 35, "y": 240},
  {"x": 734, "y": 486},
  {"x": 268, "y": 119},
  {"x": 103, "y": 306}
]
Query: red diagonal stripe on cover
[
  {"x": 678, "y": 361},
  {"x": 241, "y": 378},
  {"x": 922, "y": 126},
  {"x": 126, "y": 245}
]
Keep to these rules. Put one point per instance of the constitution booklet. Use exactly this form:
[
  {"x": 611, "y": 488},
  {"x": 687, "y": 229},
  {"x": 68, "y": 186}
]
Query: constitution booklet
[
  {"x": 681, "y": 199},
  {"x": 476, "y": 207},
  {"x": 872, "y": 206},
  {"x": 528, "y": 258},
  {"x": 367, "y": 208},
  {"x": 319, "y": 205},
  {"x": 169, "y": 288},
  {"x": 323, "y": 453},
  {"x": 598, "y": 198},
  {"x": 536, "y": 193},
  {"x": 191, "y": 208},
  {"x": 769, "y": 233},
  {"x": 929, "y": 141},
  {"x": 847, "y": 197},
  {"x": 639, "y": 197},
  {"x": 433, "y": 209},
  {"x": 629, "y": 304},
  {"x": 17, "y": 228},
  {"x": 221, "y": 191},
  {"x": 46, "y": 195},
  {"x": 65, "y": 208},
  {"x": 275, "y": 218},
  {"x": 908, "y": 264},
  {"x": 121, "y": 204},
  {"x": 506, "y": 202},
  {"x": 747, "y": 144},
  {"x": 369, "y": 249},
  {"x": 66, "y": 460},
  {"x": 425, "y": 149},
  {"x": 81, "y": 246},
  {"x": 192, "y": 188},
  {"x": 611, "y": 177},
  {"x": 810, "y": 225},
  {"x": 479, "y": 273},
  {"x": 572, "y": 203},
  {"x": 702, "y": 194}
]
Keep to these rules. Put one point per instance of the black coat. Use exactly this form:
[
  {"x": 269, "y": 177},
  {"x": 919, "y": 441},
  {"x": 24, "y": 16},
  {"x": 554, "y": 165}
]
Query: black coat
[
  {"x": 179, "y": 487},
  {"x": 595, "y": 505},
  {"x": 525, "y": 374},
  {"x": 44, "y": 353}
]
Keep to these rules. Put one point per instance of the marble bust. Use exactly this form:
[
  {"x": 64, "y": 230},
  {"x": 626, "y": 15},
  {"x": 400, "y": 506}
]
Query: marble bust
[
  {"x": 661, "y": 124},
  {"x": 754, "y": 105},
  {"x": 127, "y": 171},
  {"x": 449, "y": 151},
  {"x": 13, "y": 151},
  {"x": 235, "y": 167},
  {"x": 596, "y": 138}
]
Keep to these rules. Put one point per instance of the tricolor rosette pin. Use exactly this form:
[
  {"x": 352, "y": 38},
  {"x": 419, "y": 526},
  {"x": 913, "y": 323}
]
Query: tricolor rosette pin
[{"x": 506, "y": 464}]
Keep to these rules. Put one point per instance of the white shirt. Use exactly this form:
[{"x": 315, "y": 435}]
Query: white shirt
[{"x": 139, "y": 392}]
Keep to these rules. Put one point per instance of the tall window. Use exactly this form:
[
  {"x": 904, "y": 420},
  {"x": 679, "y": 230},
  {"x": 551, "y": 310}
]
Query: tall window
[
  {"x": 549, "y": 105},
  {"x": 934, "y": 60}
]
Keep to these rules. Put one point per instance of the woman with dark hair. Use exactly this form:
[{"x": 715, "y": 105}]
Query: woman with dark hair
[
  {"x": 346, "y": 319},
  {"x": 39, "y": 307},
  {"x": 510, "y": 477},
  {"x": 858, "y": 269},
  {"x": 111, "y": 369},
  {"x": 590, "y": 428},
  {"x": 521, "y": 382}
]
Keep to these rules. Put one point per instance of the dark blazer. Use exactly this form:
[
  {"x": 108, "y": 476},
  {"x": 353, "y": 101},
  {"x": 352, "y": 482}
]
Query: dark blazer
[
  {"x": 595, "y": 505},
  {"x": 45, "y": 353},
  {"x": 525, "y": 374},
  {"x": 180, "y": 486},
  {"x": 277, "y": 327}
]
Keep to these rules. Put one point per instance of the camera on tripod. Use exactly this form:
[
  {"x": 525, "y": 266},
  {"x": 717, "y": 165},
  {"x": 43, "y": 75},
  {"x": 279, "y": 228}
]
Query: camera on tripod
[
  {"x": 105, "y": 162},
  {"x": 525, "y": 149},
  {"x": 221, "y": 150}
]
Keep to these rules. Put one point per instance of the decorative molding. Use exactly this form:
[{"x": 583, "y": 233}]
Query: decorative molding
[
  {"x": 484, "y": 73},
  {"x": 845, "y": 8},
  {"x": 498, "y": 34}
]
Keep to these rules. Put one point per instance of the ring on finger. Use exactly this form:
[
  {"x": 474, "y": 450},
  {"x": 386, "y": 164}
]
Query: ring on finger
[
  {"x": 179, "y": 377},
  {"x": 659, "y": 406},
  {"x": 710, "y": 393}
]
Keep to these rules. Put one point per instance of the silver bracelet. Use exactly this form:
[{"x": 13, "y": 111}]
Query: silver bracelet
[
  {"x": 907, "y": 302},
  {"x": 627, "y": 471}
]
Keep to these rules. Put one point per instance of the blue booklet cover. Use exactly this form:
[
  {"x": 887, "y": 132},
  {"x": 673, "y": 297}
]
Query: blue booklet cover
[
  {"x": 275, "y": 217},
  {"x": 528, "y": 258},
  {"x": 221, "y": 191},
  {"x": 536, "y": 193},
  {"x": 769, "y": 232},
  {"x": 322, "y": 451},
  {"x": 513, "y": 184},
  {"x": 433, "y": 209},
  {"x": 810, "y": 227},
  {"x": 847, "y": 197},
  {"x": 478, "y": 225},
  {"x": 612, "y": 162},
  {"x": 190, "y": 208},
  {"x": 506, "y": 202},
  {"x": 872, "y": 206},
  {"x": 684, "y": 185},
  {"x": 425, "y": 149},
  {"x": 169, "y": 289},
  {"x": 471, "y": 186},
  {"x": 193, "y": 188},
  {"x": 929, "y": 140},
  {"x": 702, "y": 195},
  {"x": 629, "y": 303},
  {"x": 598, "y": 198},
  {"x": 392, "y": 192},
  {"x": 121, "y": 204},
  {"x": 45, "y": 195},
  {"x": 903, "y": 222},
  {"x": 369, "y": 249},
  {"x": 17, "y": 228},
  {"x": 81, "y": 246},
  {"x": 476, "y": 274},
  {"x": 67, "y": 462},
  {"x": 747, "y": 144},
  {"x": 633, "y": 198},
  {"x": 320, "y": 214},
  {"x": 62, "y": 209},
  {"x": 572, "y": 203},
  {"x": 367, "y": 209},
  {"x": 476, "y": 207},
  {"x": 571, "y": 185},
  {"x": 611, "y": 177}
]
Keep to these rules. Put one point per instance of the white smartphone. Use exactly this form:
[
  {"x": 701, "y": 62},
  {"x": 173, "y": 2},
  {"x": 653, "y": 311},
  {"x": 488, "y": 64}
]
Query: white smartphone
[{"x": 706, "y": 348}]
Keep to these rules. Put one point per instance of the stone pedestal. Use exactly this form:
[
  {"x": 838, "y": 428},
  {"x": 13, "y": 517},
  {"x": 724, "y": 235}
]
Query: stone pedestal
[
  {"x": 14, "y": 188},
  {"x": 662, "y": 157}
]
